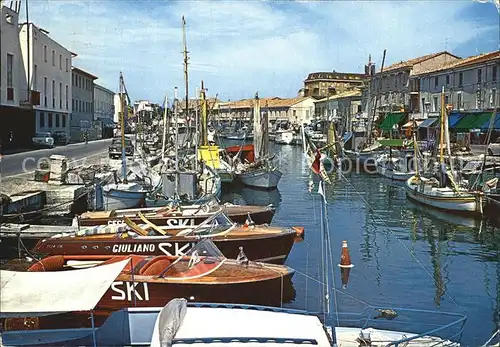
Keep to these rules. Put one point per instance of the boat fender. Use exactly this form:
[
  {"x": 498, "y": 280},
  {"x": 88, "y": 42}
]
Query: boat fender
[{"x": 299, "y": 231}]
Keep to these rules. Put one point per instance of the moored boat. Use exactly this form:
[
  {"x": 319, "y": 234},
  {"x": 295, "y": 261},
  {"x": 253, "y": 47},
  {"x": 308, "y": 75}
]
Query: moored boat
[
  {"x": 266, "y": 178},
  {"x": 260, "y": 243},
  {"x": 123, "y": 195},
  {"x": 179, "y": 215},
  {"x": 427, "y": 191},
  {"x": 203, "y": 274}
]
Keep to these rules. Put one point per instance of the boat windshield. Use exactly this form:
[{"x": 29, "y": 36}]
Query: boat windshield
[
  {"x": 199, "y": 261},
  {"x": 216, "y": 223}
]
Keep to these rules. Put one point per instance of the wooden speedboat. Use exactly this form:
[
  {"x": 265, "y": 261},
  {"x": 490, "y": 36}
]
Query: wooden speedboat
[
  {"x": 179, "y": 215},
  {"x": 202, "y": 275},
  {"x": 260, "y": 243}
]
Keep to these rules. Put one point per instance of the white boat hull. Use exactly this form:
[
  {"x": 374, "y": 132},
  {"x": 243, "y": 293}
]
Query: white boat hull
[
  {"x": 392, "y": 174},
  {"x": 442, "y": 198},
  {"x": 261, "y": 178},
  {"x": 121, "y": 198}
]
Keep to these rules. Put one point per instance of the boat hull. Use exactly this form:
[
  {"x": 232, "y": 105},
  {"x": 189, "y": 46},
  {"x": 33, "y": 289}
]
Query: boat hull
[
  {"x": 271, "y": 248},
  {"x": 263, "y": 215},
  {"x": 247, "y": 153},
  {"x": 465, "y": 203},
  {"x": 394, "y": 175},
  {"x": 116, "y": 199},
  {"x": 261, "y": 178}
]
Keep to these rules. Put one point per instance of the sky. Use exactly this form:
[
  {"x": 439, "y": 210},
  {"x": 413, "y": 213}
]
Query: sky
[{"x": 239, "y": 48}]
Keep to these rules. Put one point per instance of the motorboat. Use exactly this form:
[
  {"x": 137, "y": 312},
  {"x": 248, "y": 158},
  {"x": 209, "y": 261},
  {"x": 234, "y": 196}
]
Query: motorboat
[{"x": 259, "y": 242}]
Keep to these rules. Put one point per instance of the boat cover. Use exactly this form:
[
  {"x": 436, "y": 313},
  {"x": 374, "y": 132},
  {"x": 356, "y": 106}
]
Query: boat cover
[
  {"x": 29, "y": 294},
  {"x": 168, "y": 323}
]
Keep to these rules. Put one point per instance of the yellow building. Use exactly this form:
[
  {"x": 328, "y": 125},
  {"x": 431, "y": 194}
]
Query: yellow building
[{"x": 322, "y": 84}]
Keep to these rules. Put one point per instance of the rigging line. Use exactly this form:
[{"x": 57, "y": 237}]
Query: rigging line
[
  {"x": 397, "y": 238},
  {"x": 353, "y": 297},
  {"x": 329, "y": 241},
  {"x": 322, "y": 265}
]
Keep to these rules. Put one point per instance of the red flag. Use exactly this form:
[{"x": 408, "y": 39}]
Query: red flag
[{"x": 316, "y": 165}]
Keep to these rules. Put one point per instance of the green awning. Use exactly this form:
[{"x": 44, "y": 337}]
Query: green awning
[
  {"x": 395, "y": 142},
  {"x": 391, "y": 119},
  {"x": 472, "y": 121}
]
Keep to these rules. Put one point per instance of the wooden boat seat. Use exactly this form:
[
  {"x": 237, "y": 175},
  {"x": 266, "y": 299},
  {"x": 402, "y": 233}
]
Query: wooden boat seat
[
  {"x": 155, "y": 266},
  {"x": 52, "y": 263}
]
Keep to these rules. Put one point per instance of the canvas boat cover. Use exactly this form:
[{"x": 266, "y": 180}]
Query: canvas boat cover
[
  {"x": 168, "y": 323},
  {"x": 29, "y": 294}
]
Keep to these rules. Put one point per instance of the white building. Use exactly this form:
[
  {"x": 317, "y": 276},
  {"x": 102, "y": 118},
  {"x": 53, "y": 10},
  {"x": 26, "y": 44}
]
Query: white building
[
  {"x": 11, "y": 77},
  {"x": 118, "y": 106},
  {"x": 47, "y": 67},
  {"x": 104, "y": 104}
]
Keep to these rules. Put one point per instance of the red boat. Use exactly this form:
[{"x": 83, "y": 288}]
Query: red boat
[{"x": 202, "y": 275}]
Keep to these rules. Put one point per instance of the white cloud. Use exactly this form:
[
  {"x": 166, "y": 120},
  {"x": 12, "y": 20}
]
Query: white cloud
[{"x": 239, "y": 47}]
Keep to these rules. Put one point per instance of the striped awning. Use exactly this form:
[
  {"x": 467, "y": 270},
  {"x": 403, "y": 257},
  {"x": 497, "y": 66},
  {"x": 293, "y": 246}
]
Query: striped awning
[
  {"x": 391, "y": 119},
  {"x": 472, "y": 120},
  {"x": 496, "y": 124},
  {"x": 454, "y": 118}
]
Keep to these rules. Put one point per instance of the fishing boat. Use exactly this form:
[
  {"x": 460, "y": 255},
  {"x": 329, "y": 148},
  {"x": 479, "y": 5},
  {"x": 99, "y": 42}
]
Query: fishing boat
[
  {"x": 399, "y": 167},
  {"x": 263, "y": 176},
  {"x": 203, "y": 274},
  {"x": 260, "y": 243},
  {"x": 123, "y": 195},
  {"x": 443, "y": 193},
  {"x": 181, "y": 215},
  {"x": 262, "y": 173}
]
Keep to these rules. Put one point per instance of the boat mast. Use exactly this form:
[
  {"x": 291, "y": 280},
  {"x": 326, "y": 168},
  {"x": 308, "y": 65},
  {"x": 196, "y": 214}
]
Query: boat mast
[
  {"x": 185, "y": 52},
  {"x": 165, "y": 107},
  {"x": 122, "y": 120},
  {"x": 376, "y": 100},
  {"x": 204, "y": 131},
  {"x": 441, "y": 135},
  {"x": 196, "y": 125},
  {"x": 176, "y": 117}
]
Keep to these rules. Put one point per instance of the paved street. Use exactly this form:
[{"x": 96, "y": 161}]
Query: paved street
[{"x": 26, "y": 162}]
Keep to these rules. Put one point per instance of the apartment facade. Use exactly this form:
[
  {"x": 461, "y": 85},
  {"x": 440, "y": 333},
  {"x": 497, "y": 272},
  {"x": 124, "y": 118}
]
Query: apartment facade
[
  {"x": 82, "y": 103},
  {"x": 13, "y": 83},
  {"x": 322, "y": 84},
  {"x": 345, "y": 108},
  {"x": 296, "y": 110},
  {"x": 470, "y": 84},
  {"x": 395, "y": 89},
  {"x": 47, "y": 65},
  {"x": 104, "y": 103}
]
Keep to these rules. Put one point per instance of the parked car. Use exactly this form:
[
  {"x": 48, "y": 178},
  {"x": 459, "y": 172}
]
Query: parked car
[
  {"x": 494, "y": 147},
  {"x": 115, "y": 149},
  {"x": 60, "y": 137},
  {"x": 43, "y": 140}
]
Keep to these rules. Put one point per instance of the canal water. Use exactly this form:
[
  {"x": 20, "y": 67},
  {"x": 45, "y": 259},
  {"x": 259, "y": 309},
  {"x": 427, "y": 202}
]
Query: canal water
[{"x": 404, "y": 255}]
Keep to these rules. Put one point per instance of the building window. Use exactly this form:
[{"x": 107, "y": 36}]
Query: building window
[
  {"x": 57, "y": 120},
  {"x": 494, "y": 74},
  {"x": 53, "y": 94},
  {"x": 10, "y": 65},
  {"x": 53, "y": 58},
  {"x": 45, "y": 91},
  {"x": 446, "y": 99},
  {"x": 447, "y": 79},
  {"x": 67, "y": 65},
  {"x": 459, "y": 101},
  {"x": 35, "y": 77},
  {"x": 436, "y": 81},
  {"x": 45, "y": 54},
  {"x": 479, "y": 75},
  {"x": 436, "y": 104},
  {"x": 66, "y": 96},
  {"x": 50, "y": 120},
  {"x": 493, "y": 97},
  {"x": 73, "y": 104},
  {"x": 60, "y": 95},
  {"x": 63, "y": 116},
  {"x": 60, "y": 61},
  {"x": 460, "y": 79},
  {"x": 41, "y": 119}
]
